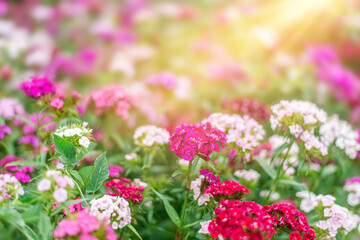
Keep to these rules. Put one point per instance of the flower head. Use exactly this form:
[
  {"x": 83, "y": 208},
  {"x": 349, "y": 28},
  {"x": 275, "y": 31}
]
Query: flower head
[
  {"x": 38, "y": 86},
  {"x": 151, "y": 135},
  {"x": 196, "y": 139},
  {"x": 76, "y": 133},
  {"x": 10, "y": 188}
]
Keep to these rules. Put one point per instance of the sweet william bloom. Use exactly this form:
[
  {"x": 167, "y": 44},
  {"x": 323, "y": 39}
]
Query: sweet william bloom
[
  {"x": 60, "y": 195},
  {"x": 199, "y": 139},
  {"x": 10, "y": 107},
  {"x": 4, "y": 129},
  {"x": 151, "y": 135},
  {"x": 57, "y": 103},
  {"x": 38, "y": 86},
  {"x": 83, "y": 225},
  {"x": 10, "y": 188}
]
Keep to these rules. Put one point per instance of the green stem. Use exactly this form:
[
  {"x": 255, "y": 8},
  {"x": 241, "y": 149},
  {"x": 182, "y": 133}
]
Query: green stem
[
  {"x": 78, "y": 187},
  {"x": 179, "y": 232},
  {"x": 278, "y": 173}
]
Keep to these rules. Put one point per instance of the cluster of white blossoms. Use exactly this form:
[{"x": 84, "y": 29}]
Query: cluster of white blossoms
[
  {"x": 353, "y": 187},
  {"x": 10, "y": 188},
  {"x": 244, "y": 131},
  {"x": 205, "y": 229},
  {"x": 300, "y": 118},
  {"x": 150, "y": 135},
  {"x": 336, "y": 218},
  {"x": 196, "y": 187},
  {"x": 77, "y": 134},
  {"x": 112, "y": 210},
  {"x": 56, "y": 185},
  {"x": 342, "y": 134},
  {"x": 247, "y": 175},
  {"x": 130, "y": 156},
  {"x": 291, "y": 160}
]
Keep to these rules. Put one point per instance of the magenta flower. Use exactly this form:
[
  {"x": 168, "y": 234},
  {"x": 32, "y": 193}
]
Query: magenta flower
[
  {"x": 38, "y": 86},
  {"x": 196, "y": 139},
  {"x": 31, "y": 140},
  {"x": 4, "y": 129}
]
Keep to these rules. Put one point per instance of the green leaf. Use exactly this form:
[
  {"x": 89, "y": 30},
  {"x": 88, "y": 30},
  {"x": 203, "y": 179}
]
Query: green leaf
[
  {"x": 328, "y": 170},
  {"x": 45, "y": 227},
  {"x": 32, "y": 213},
  {"x": 271, "y": 172},
  {"x": 134, "y": 230},
  {"x": 176, "y": 173},
  {"x": 99, "y": 175},
  {"x": 213, "y": 167},
  {"x": 279, "y": 150},
  {"x": 85, "y": 173},
  {"x": 293, "y": 183},
  {"x": 66, "y": 149},
  {"x": 76, "y": 177},
  {"x": 170, "y": 210},
  {"x": 13, "y": 217}
]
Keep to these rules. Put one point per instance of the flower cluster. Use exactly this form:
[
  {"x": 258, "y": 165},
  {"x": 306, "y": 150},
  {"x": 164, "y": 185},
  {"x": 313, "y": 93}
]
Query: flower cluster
[
  {"x": 77, "y": 134},
  {"x": 112, "y": 210},
  {"x": 166, "y": 79},
  {"x": 4, "y": 129},
  {"x": 108, "y": 98},
  {"x": 196, "y": 139},
  {"x": 286, "y": 218},
  {"x": 125, "y": 188},
  {"x": 300, "y": 118},
  {"x": 55, "y": 185},
  {"x": 238, "y": 220},
  {"x": 83, "y": 226},
  {"x": 248, "y": 106},
  {"x": 247, "y": 175},
  {"x": 352, "y": 186},
  {"x": 342, "y": 134},
  {"x": 229, "y": 189},
  {"x": 337, "y": 218},
  {"x": 244, "y": 132},
  {"x": 308, "y": 201},
  {"x": 201, "y": 183},
  {"x": 151, "y": 135},
  {"x": 21, "y": 173},
  {"x": 10, "y": 188},
  {"x": 10, "y": 107},
  {"x": 38, "y": 86}
]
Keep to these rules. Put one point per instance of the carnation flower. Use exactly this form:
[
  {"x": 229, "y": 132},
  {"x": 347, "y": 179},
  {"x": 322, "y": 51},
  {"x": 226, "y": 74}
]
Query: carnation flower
[
  {"x": 300, "y": 119},
  {"x": 4, "y": 129},
  {"x": 287, "y": 218},
  {"x": 55, "y": 186},
  {"x": 247, "y": 106},
  {"x": 125, "y": 188},
  {"x": 30, "y": 140},
  {"x": 196, "y": 186},
  {"x": 151, "y": 135},
  {"x": 115, "y": 170},
  {"x": 166, "y": 79},
  {"x": 57, "y": 103},
  {"x": 241, "y": 220},
  {"x": 229, "y": 189},
  {"x": 110, "y": 98},
  {"x": 38, "y": 86},
  {"x": 112, "y": 210},
  {"x": 10, "y": 188},
  {"x": 352, "y": 186},
  {"x": 76, "y": 133},
  {"x": 342, "y": 134},
  {"x": 10, "y": 107},
  {"x": 308, "y": 202},
  {"x": 243, "y": 132},
  {"x": 72, "y": 208},
  {"x": 83, "y": 226},
  {"x": 196, "y": 139},
  {"x": 247, "y": 175}
]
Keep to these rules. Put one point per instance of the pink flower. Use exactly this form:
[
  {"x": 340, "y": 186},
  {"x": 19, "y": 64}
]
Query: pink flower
[
  {"x": 186, "y": 152},
  {"x": 38, "y": 86},
  {"x": 29, "y": 140},
  {"x": 57, "y": 103}
]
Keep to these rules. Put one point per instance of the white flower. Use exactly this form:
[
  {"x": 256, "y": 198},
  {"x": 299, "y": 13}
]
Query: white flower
[
  {"x": 204, "y": 227},
  {"x": 69, "y": 132},
  {"x": 130, "y": 156},
  {"x": 84, "y": 141},
  {"x": 149, "y": 135},
  {"x": 111, "y": 209},
  {"x": 44, "y": 185},
  {"x": 60, "y": 195},
  {"x": 248, "y": 175},
  {"x": 274, "y": 196}
]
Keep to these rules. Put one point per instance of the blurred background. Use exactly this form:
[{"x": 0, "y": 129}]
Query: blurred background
[{"x": 178, "y": 61}]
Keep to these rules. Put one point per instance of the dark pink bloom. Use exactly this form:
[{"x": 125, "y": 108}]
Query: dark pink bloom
[{"x": 38, "y": 86}]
